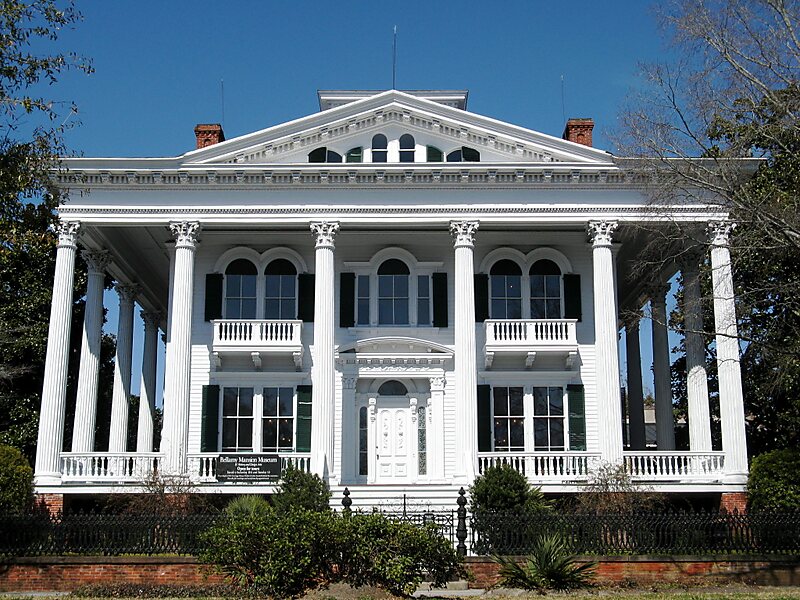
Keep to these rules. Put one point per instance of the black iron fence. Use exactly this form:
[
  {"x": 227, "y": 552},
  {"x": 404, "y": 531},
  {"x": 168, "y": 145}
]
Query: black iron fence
[
  {"x": 102, "y": 534},
  {"x": 664, "y": 533},
  {"x": 444, "y": 521}
]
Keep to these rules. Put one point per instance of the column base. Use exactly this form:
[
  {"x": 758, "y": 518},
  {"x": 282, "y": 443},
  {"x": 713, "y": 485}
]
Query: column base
[
  {"x": 52, "y": 503},
  {"x": 736, "y": 478},
  {"x": 733, "y": 502},
  {"x": 46, "y": 479}
]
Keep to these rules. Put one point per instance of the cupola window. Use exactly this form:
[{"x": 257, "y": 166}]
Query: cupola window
[
  {"x": 407, "y": 147},
  {"x": 379, "y": 148}
]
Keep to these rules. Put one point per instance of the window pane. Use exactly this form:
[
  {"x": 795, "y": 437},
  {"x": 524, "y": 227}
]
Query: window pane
[
  {"x": 556, "y": 433},
  {"x": 271, "y": 434},
  {"x": 401, "y": 312},
  {"x": 270, "y": 401},
  {"x": 385, "y": 316},
  {"x": 273, "y": 285},
  {"x": 513, "y": 286},
  {"x": 230, "y": 397},
  {"x": 232, "y": 309},
  {"x": 229, "y": 433},
  {"x": 514, "y": 309},
  {"x": 245, "y": 433},
  {"x": 379, "y": 156},
  {"x": 385, "y": 287},
  {"x": 363, "y": 311},
  {"x": 272, "y": 309},
  {"x": 540, "y": 433},
  {"x": 517, "y": 433},
  {"x": 286, "y": 402},
  {"x": 401, "y": 286},
  {"x": 287, "y": 309},
  {"x": 249, "y": 285},
  {"x": 556, "y": 401},
  {"x": 498, "y": 286},
  {"x": 246, "y": 402},
  {"x": 287, "y": 286},
  {"x": 554, "y": 309},
  {"x": 498, "y": 309},
  {"x": 248, "y": 308},
  {"x": 539, "y": 401},
  {"x": 363, "y": 286},
  {"x": 537, "y": 309},
  {"x": 553, "y": 286},
  {"x": 500, "y": 401},
  {"x": 232, "y": 285},
  {"x": 285, "y": 440},
  {"x": 501, "y": 433},
  {"x": 537, "y": 286},
  {"x": 423, "y": 312},
  {"x": 423, "y": 286},
  {"x": 515, "y": 401},
  {"x": 362, "y": 420},
  {"x": 406, "y": 156}
]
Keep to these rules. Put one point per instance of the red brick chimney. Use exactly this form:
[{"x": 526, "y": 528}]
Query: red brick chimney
[
  {"x": 208, "y": 134},
  {"x": 579, "y": 131}
]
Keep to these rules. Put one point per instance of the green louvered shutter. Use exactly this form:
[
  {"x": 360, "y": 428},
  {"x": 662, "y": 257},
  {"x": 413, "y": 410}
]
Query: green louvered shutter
[
  {"x": 439, "y": 299},
  {"x": 481, "y": 297},
  {"x": 484, "y": 418},
  {"x": 213, "y": 309},
  {"x": 209, "y": 426},
  {"x": 577, "y": 417},
  {"x": 572, "y": 296},
  {"x": 347, "y": 296},
  {"x": 305, "y": 297},
  {"x": 304, "y": 395}
]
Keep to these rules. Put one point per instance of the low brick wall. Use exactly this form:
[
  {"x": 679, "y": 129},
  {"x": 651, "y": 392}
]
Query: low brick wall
[
  {"x": 685, "y": 570},
  {"x": 64, "y": 574}
]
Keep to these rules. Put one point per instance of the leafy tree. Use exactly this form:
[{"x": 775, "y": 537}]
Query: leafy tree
[
  {"x": 732, "y": 94},
  {"x": 502, "y": 488},
  {"x": 300, "y": 490},
  {"x": 774, "y": 482},
  {"x": 30, "y": 142}
]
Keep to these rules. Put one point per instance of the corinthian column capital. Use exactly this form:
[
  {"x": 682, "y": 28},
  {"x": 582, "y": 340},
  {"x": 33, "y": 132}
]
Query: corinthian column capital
[
  {"x": 185, "y": 233},
  {"x": 151, "y": 319},
  {"x": 127, "y": 291},
  {"x": 463, "y": 232},
  {"x": 325, "y": 231},
  {"x": 602, "y": 232},
  {"x": 96, "y": 260},
  {"x": 67, "y": 232},
  {"x": 719, "y": 232}
]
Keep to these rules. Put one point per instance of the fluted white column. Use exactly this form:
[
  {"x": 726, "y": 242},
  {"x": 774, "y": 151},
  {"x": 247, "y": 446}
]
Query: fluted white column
[
  {"x": 731, "y": 399},
  {"x": 86, "y": 398},
  {"x": 606, "y": 348},
  {"x": 179, "y": 351},
  {"x": 466, "y": 382},
  {"x": 696, "y": 376},
  {"x": 665, "y": 418},
  {"x": 54, "y": 390},
  {"x": 636, "y": 429},
  {"x": 147, "y": 387},
  {"x": 120, "y": 400},
  {"x": 323, "y": 368}
]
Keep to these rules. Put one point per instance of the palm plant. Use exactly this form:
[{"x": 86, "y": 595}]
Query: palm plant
[{"x": 550, "y": 566}]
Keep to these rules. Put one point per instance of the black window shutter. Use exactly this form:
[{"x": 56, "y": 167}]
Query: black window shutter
[
  {"x": 572, "y": 296},
  {"x": 440, "y": 299},
  {"x": 304, "y": 394},
  {"x": 213, "y": 296},
  {"x": 481, "y": 297},
  {"x": 347, "y": 295},
  {"x": 209, "y": 426},
  {"x": 484, "y": 418},
  {"x": 305, "y": 297},
  {"x": 577, "y": 417}
]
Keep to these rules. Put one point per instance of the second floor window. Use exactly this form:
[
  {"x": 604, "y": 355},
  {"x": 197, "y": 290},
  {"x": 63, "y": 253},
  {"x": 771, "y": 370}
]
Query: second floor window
[
  {"x": 393, "y": 293},
  {"x": 545, "y": 290},
  {"x": 505, "y": 286},
  {"x": 240, "y": 290},
  {"x": 280, "y": 290}
]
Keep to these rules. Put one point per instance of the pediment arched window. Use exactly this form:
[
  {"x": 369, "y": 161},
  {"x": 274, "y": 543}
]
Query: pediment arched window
[
  {"x": 545, "y": 277},
  {"x": 505, "y": 286},
  {"x": 240, "y": 289},
  {"x": 280, "y": 290}
]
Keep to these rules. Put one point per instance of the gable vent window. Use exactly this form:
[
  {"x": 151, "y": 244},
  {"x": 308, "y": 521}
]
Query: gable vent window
[
  {"x": 407, "y": 146},
  {"x": 323, "y": 155},
  {"x": 464, "y": 154},
  {"x": 354, "y": 155},
  {"x": 379, "y": 146},
  {"x": 433, "y": 154}
]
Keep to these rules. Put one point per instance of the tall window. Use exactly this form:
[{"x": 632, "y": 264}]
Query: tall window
[
  {"x": 407, "y": 147},
  {"x": 423, "y": 300},
  {"x": 362, "y": 441},
  {"x": 393, "y": 293},
  {"x": 505, "y": 286},
  {"x": 548, "y": 418},
  {"x": 280, "y": 290},
  {"x": 240, "y": 290},
  {"x": 509, "y": 419},
  {"x": 379, "y": 146},
  {"x": 422, "y": 442},
  {"x": 545, "y": 290},
  {"x": 278, "y": 419},
  {"x": 237, "y": 419},
  {"x": 362, "y": 300}
]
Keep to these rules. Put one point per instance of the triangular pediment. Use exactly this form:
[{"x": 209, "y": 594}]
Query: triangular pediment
[
  {"x": 395, "y": 346},
  {"x": 394, "y": 113}
]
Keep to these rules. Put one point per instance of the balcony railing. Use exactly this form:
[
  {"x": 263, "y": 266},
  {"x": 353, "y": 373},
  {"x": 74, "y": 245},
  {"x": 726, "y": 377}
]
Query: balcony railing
[
  {"x": 111, "y": 468},
  {"x": 203, "y": 467},
  {"x": 527, "y": 337},
  {"x": 258, "y": 334},
  {"x": 544, "y": 466},
  {"x": 659, "y": 466}
]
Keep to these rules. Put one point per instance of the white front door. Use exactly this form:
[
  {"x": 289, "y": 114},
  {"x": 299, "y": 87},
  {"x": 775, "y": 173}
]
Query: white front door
[{"x": 393, "y": 440}]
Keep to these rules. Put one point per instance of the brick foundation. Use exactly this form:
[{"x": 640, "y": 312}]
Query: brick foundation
[
  {"x": 733, "y": 502},
  {"x": 684, "y": 570},
  {"x": 65, "y": 574},
  {"x": 52, "y": 503}
]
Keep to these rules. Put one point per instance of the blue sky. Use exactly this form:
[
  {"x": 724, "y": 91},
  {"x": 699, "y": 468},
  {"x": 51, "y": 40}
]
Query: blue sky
[{"x": 158, "y": 68}]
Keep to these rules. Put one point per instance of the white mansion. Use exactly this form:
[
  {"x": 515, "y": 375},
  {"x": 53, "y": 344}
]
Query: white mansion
[{"x": 394, "y": 293}]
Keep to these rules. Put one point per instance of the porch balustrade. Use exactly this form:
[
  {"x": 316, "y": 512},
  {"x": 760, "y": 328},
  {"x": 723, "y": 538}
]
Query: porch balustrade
[
  {"x": 203, "y": 467},
  {"x": 109, "y": 467},
  {"x": 525, "y": 333},
  {"x": 655, "y": 466},
  {"x": 543, "y": 466}
]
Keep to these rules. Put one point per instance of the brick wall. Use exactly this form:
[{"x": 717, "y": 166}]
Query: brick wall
[
  {"x": 688, "y": 570},
  {"x": 733, "y": 502},
  {"x": 53, "y": 503}
]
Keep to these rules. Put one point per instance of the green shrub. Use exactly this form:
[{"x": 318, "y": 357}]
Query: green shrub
[
  {"x": 504, "y": 489},
  {"x": 298, "y": 489},
  {"x": 774, "y": 482},
  {"x": 550, "y": 566},
  {"x": 247, "y": 505},
  {"x": 286, "y": 554},
  {"x": 16, "y": 482}
]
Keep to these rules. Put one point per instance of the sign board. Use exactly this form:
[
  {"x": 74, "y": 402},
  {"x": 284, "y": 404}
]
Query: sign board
[{"x": 249, "y": 468}]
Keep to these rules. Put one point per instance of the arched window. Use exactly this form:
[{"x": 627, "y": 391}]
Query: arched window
[
  {"x": 393, "y": 292},
  {"x": 280, "y": 290},
  {"x": 407, "y": 146},
  {"x": 433, "y": 154},
  {"x": 464, "y": 154},
  {"x": 505, "y": 279},
  {"x": 379, "y": 145},
  {"x": 392, "y": 388},
  {"x": 323, "y": 155},
  {"x": 240, "y": 290},
  {"x": 545, "y": 290},
  {"x": 354, "y": 155}
]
